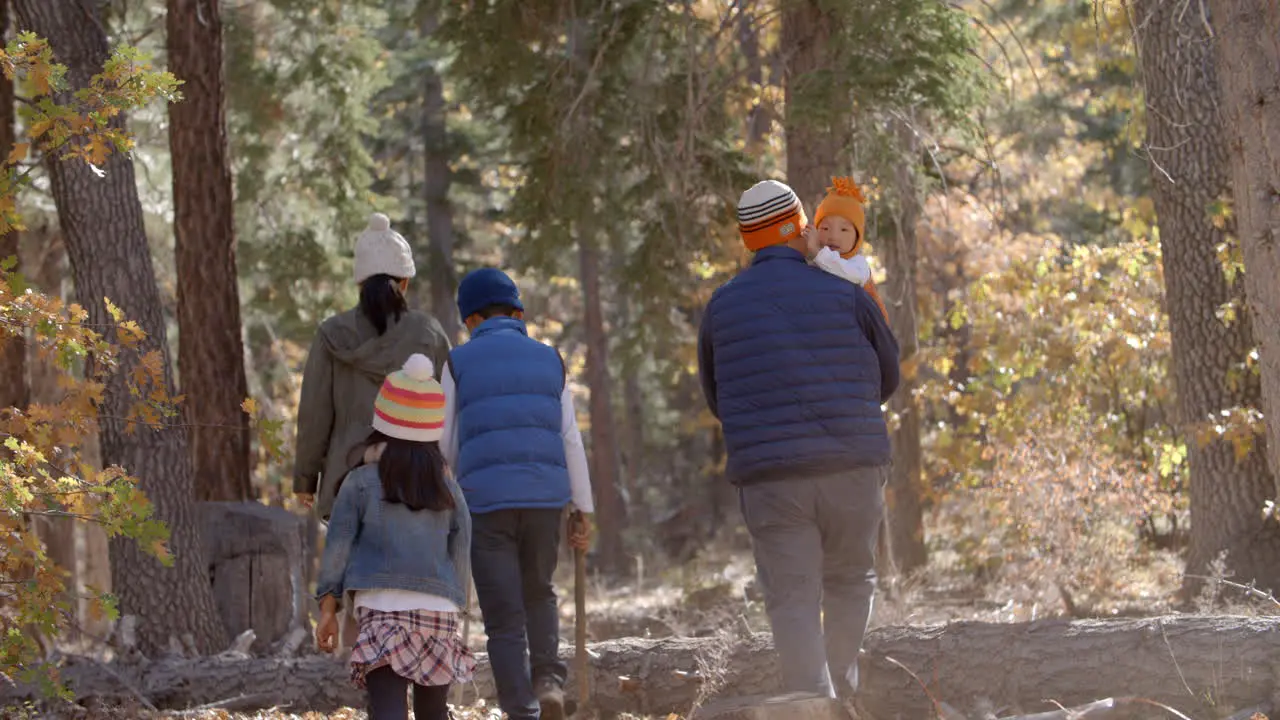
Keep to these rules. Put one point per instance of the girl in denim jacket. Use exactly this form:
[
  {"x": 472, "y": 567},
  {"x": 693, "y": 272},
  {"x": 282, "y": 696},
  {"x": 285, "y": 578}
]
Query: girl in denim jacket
[{"x": 398, "y": 550}]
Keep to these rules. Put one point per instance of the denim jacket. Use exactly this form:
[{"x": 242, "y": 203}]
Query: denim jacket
[{"x": 376, "y": 545}]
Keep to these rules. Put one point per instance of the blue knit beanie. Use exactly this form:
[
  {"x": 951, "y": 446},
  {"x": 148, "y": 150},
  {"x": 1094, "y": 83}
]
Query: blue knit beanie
[{"x": 484, "y": 287}]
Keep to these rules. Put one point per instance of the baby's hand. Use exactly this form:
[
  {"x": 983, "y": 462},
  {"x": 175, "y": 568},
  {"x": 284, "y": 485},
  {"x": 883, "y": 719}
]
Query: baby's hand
[{"x": 811, "y": 244}]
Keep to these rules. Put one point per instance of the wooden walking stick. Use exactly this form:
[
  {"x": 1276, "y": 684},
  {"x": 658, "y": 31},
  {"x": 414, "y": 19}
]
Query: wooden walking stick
[{"x": 580, "y": 613}]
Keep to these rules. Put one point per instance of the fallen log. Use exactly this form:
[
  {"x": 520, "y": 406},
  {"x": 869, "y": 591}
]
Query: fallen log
[
  {"x": 792, "y": 706},
  {"x": 1193, "y": 664}
]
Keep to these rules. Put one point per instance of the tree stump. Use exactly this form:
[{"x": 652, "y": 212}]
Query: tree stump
[
  {"x": 793, "y": 706},
  {"x": 255, "y": 555}
]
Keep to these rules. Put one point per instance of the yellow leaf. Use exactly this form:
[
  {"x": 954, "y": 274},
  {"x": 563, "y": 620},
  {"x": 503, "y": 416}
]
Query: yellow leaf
[
  {"x": 40, "y": 78},
  {"x": 19, "y": 153},
  {"x": 40, "y": 127},
  {"x": 249, "y": 406},
  {"x": 160, "y": 551},
  {"x": 130, "y": 333},
  {"x": 97, "y": 150}
]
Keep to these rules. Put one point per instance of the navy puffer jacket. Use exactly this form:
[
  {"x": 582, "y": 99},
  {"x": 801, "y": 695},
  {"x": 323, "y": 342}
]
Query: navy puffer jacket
[{"x": 796, "y": 363}]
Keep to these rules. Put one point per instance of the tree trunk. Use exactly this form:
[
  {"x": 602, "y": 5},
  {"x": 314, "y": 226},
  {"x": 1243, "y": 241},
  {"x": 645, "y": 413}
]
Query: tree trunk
[
  {"x": 210, "y": 347},
  {"x": 438, "y": 178},
  {"x": 1249, "y": 54},
  {"x": 13, "y": 349},
  {"x": 749, "y": 42},
  {"x": 1189, "y": 172},
  {"x": 92, "y": 576},
  {"x": 107, "y": 244},
  {"x": 633, "y": 424},
  {"x": 610, "y": 513},
  {"x": 900, "y": 251},
  {"x": 813, "y": 147},
  {"x": 631, "y": 455},
  {"x": 1187, "y": 662}
]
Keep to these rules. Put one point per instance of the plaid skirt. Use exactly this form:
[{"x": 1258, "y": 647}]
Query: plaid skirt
[{"x": 423, "y": 646}]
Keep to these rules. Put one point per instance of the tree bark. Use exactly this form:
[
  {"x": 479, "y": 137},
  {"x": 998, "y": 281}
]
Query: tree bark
[
  {"x": 210, "y": 347},
  {"x": 813, "y": 147},
  {"x": 437, "y": 179},
  {"x": 107, "y": 245},
  {"x": 900, "y": 250},
  {"x": 749, "y": 42},
  {"x": 13, "y": 349},
  {"x": 1186, "y": 662},
  {"x": 633, "y": 426},
  {"x": 1189, "y": 170},
  {"x": 610, "y": 512},
  {"x": 1248, "y": 52}
]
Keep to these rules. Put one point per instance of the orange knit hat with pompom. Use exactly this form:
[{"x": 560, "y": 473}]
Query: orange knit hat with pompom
[{"x": 845, "y": 200}]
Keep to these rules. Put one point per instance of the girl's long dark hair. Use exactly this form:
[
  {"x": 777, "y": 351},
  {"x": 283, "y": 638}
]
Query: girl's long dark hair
[
  {"x": 413, "y": 474},
  {"x": 381, "y": 301}
]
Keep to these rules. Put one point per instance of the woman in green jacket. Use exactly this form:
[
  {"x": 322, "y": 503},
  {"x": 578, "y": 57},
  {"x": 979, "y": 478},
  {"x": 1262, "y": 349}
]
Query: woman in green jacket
[{"x": 352, "y": 354}]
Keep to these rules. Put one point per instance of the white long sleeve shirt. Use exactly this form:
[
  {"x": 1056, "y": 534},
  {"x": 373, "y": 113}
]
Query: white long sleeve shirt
[
  {"x": 855, "y": 269},
  {"x": 574, "y": 453}
]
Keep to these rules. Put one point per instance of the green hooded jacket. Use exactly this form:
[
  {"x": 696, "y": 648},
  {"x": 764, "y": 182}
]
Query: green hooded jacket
[{"x": 345, "y": 368}]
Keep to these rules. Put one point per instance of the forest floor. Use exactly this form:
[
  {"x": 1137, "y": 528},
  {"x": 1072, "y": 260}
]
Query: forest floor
[{"x": 716, "y": 590}]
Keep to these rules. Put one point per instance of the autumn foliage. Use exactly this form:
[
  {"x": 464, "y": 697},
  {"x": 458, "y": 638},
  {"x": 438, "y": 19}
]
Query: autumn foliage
[{"x": 43, "y": 467}]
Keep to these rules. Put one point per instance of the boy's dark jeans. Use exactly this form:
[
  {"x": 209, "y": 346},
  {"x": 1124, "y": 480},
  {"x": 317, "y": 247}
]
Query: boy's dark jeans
[{"x": 513, "y": 556}]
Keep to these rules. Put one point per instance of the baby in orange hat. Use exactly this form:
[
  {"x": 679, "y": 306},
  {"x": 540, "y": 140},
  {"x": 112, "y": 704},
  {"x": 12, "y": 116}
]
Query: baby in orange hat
[{"x": 837, "y": 233}]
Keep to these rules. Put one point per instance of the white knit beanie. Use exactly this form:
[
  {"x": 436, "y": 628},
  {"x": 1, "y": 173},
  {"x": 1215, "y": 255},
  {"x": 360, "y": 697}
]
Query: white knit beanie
[{"x": 382, "y": 251}]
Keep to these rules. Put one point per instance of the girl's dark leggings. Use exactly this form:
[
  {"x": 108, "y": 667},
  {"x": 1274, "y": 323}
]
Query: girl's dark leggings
[{"x": 387, "y": 699}]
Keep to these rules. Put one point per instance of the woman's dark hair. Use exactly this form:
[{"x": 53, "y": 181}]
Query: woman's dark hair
[
  {"x": 412, "y": 473},
  {"x": 381, "y": 301}
]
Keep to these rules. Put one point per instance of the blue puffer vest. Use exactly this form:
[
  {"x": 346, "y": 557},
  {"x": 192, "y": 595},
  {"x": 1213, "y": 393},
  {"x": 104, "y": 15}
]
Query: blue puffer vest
[
  {"x": 510, "y": 450},
  {"x": 791, "y": 372}
]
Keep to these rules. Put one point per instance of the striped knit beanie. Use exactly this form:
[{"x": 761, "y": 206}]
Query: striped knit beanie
[
  {"x": 410, "y": 405},
  {"x": 769, "y": 213}
]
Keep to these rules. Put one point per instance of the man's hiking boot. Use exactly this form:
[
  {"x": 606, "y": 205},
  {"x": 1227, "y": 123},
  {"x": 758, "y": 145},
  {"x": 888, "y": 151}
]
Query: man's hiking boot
[{"x": 550, "y": 698}]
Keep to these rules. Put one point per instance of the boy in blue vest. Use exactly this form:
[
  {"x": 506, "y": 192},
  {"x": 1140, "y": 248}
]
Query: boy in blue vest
[{"x": 511, "y": 436}]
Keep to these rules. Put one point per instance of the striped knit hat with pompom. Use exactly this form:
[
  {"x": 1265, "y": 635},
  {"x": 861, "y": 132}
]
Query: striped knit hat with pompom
[
  {"x": 769, "y": 213},
  {"x": 410, "y": 405}
]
